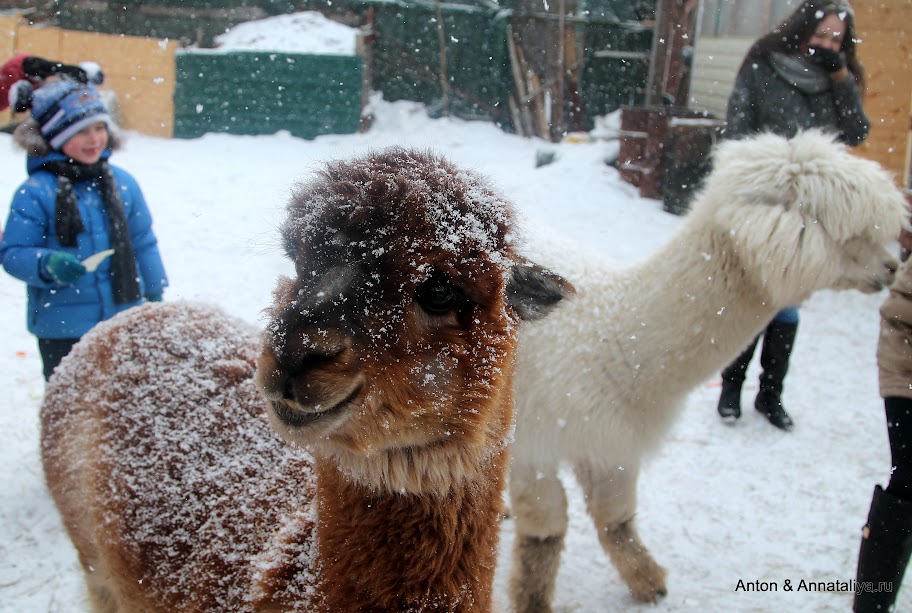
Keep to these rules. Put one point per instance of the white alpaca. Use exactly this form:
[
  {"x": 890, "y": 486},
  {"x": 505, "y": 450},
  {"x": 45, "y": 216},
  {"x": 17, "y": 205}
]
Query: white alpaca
[{"x": 601, "y": 381}]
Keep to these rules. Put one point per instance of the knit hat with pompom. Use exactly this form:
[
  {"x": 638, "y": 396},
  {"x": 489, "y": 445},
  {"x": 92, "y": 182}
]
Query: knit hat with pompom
[{"x": 63, "y": 108}]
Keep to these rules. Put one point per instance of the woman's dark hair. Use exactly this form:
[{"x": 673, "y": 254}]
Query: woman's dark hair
[{"x": 798, "y": 28}]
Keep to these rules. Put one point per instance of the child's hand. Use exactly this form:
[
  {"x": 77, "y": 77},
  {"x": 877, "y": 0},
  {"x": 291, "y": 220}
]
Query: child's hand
[{"x": 63, "y": 267}]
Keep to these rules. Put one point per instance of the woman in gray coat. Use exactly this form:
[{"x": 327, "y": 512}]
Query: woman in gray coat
[{"x": 804, "y": 74}]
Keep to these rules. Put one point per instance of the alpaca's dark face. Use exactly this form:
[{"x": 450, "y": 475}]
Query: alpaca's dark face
[
  {"x": 367, "y": 365},
  {"x": 396, "y": 332}
]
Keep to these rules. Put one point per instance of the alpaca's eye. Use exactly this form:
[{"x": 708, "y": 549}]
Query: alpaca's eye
[{"x": 438, "y": 297}]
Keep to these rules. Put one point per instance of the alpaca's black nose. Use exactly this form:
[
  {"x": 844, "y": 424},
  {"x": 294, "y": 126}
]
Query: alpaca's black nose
[{"x": 298, "y": 361}]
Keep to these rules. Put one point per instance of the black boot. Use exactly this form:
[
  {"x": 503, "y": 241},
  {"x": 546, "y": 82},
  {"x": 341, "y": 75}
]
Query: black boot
[
  {"x": 885, "y": 547},
  {"x": 778, "y": 340},
  {"x": 732, "y": 378}
]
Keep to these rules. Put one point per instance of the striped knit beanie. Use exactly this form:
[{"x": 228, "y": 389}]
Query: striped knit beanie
[{"x": 63, "y": 108}]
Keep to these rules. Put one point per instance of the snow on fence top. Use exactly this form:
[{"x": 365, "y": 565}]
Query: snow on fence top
[{"x": 306, "y": 32}]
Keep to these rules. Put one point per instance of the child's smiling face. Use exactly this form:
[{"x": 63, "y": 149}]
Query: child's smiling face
[{"x": 87, "y": 145}]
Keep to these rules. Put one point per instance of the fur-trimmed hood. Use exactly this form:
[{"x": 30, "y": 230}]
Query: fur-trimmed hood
[{"x": 28, "y": 136}]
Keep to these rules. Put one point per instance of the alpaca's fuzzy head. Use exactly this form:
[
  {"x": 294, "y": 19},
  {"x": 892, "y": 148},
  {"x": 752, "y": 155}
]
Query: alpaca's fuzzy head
[
  {"x": 397, "y": 334},
  {"x": 802, "y": 214}
]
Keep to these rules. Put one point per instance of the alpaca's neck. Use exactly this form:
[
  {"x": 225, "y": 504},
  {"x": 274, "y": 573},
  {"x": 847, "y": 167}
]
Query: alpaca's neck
[
  {"x": 383, "y": 551},
  {"x": 694, "y": 305}
]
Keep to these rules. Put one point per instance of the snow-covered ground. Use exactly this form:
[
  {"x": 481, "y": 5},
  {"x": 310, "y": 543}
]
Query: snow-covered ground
[{"x": 718, "y": 504}]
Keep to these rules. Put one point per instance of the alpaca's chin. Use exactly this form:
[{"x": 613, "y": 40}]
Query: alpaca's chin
[
  {"x": 871, "y": 285},
  {"x": 292, "y": 418},
  {"x": 302, "y": 425}
]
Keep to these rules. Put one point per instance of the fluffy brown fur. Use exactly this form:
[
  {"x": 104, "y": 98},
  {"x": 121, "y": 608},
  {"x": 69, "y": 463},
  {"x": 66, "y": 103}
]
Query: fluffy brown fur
[{"x": 389, "y": 356}]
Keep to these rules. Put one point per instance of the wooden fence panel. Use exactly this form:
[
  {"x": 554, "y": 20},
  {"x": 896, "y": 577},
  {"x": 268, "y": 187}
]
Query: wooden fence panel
[
  {"x": 7, "y": 48},
  {"x": 886, "y": 52},
  {"x": 140, "y": 71}
]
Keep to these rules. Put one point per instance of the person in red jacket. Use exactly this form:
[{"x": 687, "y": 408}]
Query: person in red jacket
[{"x": 35, "y": 70}]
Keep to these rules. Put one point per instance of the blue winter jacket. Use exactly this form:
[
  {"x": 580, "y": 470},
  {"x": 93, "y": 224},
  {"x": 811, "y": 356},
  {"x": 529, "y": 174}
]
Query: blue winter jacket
[{"x": 57, "y": 311}]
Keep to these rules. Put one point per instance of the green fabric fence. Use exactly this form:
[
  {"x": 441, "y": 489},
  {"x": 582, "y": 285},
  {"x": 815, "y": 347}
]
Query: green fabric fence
[{"x": 249, "y": 92}]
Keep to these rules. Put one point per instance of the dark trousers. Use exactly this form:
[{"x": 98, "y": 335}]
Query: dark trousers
[
  {"x": 52, "y": 351},
  {"x": 899, "y": 430},
  {"x": 886, "y": 542}
]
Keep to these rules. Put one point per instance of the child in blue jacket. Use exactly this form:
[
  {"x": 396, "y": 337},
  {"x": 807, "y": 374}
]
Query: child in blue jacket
[{"x": 74, "y": 205}]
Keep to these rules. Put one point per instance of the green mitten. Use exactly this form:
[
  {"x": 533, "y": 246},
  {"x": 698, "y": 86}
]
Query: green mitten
[{"x": 63, "y": 267}]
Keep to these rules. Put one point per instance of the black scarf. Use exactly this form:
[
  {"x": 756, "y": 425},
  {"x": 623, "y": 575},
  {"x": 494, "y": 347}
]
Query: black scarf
[{"x": 124, "y": 278}]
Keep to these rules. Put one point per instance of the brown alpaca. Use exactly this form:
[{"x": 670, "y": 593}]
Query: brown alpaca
[{"x": 389, "y": 357}]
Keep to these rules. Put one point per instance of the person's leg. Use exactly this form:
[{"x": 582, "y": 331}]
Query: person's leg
[
  {"x": 52, "y": 351},
  {"x": 778, "y": 341},
  {"x": 732, "y": 379},
  {"x": 887, "y": 536},
  {"x": 899, "y": 431}
]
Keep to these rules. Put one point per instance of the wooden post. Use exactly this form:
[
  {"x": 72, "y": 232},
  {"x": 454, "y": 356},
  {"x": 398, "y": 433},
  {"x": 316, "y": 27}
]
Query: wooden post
[
  {"x": 444, "y": 79},
  {"x": 655, "y": 87},
  {"x": 557, "y": 106},
  {"x": 518, "y": 68},
  {"x": 367, "y": 53},
  {"x": 669, "y": 74}
]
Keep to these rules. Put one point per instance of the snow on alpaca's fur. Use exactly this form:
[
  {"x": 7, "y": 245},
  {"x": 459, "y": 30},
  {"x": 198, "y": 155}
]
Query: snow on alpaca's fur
[
  {"x": 391, "y": 347},
  {"x": 601, "y": 381}
]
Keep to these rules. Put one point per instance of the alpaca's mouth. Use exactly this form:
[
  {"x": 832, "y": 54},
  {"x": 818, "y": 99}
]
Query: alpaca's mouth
[{"x": 297, "y": 418}]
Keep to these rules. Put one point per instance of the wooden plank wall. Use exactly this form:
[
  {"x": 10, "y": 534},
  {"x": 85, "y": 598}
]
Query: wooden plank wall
[
  {"x": 8, "y": 27},
  {"x": 885, "y": 30},
  {"x": 7, "y": 36},
  {"x": 716, "y": 63},
  {"x": 140, "y": 71}
]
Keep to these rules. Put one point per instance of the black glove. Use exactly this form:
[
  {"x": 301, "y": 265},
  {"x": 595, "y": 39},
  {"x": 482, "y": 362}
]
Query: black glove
[
  {"x": 74, "y": 73},
  {"x": 831, "y": 61},
  {"x": 41, "y": 68},
  {"x": 93, "y": 72},
  {"x": 20, "y": 95}
]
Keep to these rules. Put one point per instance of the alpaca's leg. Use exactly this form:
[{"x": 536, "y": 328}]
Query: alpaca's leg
[
  {"x": 101, "y": 595},
  {"x": 102, "y": 600},
  {"x": 540, "y": 507},
  {"x": 611, "y": 500}
]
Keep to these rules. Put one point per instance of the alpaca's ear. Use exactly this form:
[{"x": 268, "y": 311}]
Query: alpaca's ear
[{"x": 533, "y": 291}]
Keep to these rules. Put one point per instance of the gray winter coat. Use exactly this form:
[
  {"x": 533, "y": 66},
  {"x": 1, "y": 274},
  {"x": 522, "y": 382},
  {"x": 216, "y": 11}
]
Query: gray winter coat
[{"x": 765, "y": 98}]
